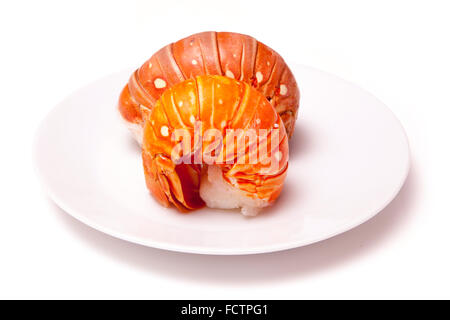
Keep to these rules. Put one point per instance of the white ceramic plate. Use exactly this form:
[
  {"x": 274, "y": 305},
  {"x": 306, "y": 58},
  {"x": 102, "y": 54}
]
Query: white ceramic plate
[{"x": 349, "y": 158}]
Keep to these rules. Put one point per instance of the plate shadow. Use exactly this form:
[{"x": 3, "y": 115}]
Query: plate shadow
[{"x": 259, "y": 268}]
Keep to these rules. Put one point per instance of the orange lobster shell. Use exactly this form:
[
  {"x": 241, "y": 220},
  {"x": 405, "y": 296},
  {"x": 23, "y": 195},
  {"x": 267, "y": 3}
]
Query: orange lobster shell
[
  {"x": 224, "y": 105},
  {"x": 234, "y": 55}
]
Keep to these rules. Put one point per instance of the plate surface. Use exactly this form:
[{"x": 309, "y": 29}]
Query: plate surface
[{"x": 349, "y": 158}]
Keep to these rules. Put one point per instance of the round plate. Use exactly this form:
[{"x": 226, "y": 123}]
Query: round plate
[{"x": 349, "y": 157}]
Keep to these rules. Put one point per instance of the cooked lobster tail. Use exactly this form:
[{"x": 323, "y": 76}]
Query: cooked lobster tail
[
  {"x": 233, "y": 55},
  {"x": 214, "y": 132}
]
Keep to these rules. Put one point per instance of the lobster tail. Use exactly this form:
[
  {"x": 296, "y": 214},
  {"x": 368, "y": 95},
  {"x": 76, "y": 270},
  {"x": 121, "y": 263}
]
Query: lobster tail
[
  {"x": 213, "y": 130},
  {"x": 233, "y": 55}
]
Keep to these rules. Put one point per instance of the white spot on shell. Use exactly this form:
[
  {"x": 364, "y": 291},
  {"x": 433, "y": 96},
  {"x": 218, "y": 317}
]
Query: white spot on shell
[
  {"x": 194, "y": 62},
  {"x": 153, "y": 122},
  {"x": 259, "y": 76},
  {"x": 165, "y": 131},
  {"x": 258, "y": 121},
  {"x": 192, "y": 119},
  {"x": 283, "y": 89},
  {"x": 268, "y": 63},
  {"x": 159, "y": 83},
  {"x": 150, "y": 65},
  {"x": 223, "y": 123},
  {"x": 229, "y": 74},
  {"x": 278, "y": 155},
  {"x": 192, "y": 96},
  {"x": 191, "y": 43},
  {"x": 276, "y": 125},
  {"x": 180, "y": 104},
  {"x": 234, "y": 55},
  {"x": 218, "y": 85},
  {"x": 220, "y": 101}
]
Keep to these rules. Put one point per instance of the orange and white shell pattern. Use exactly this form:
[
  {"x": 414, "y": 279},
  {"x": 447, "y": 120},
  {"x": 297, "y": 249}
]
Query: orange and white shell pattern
[
  {"x": 224, "y": 106},
  {"x": 233, "y": 55}
]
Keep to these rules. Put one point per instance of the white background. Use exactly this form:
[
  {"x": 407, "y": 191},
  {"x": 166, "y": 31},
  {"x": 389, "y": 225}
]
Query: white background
[{"x": 398, "y": 50}]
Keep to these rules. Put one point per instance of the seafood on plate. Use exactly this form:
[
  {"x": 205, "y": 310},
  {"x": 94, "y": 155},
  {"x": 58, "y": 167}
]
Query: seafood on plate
[
  {"x": 214, "y": 141},
  {"x": 234, "y": 55}
]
